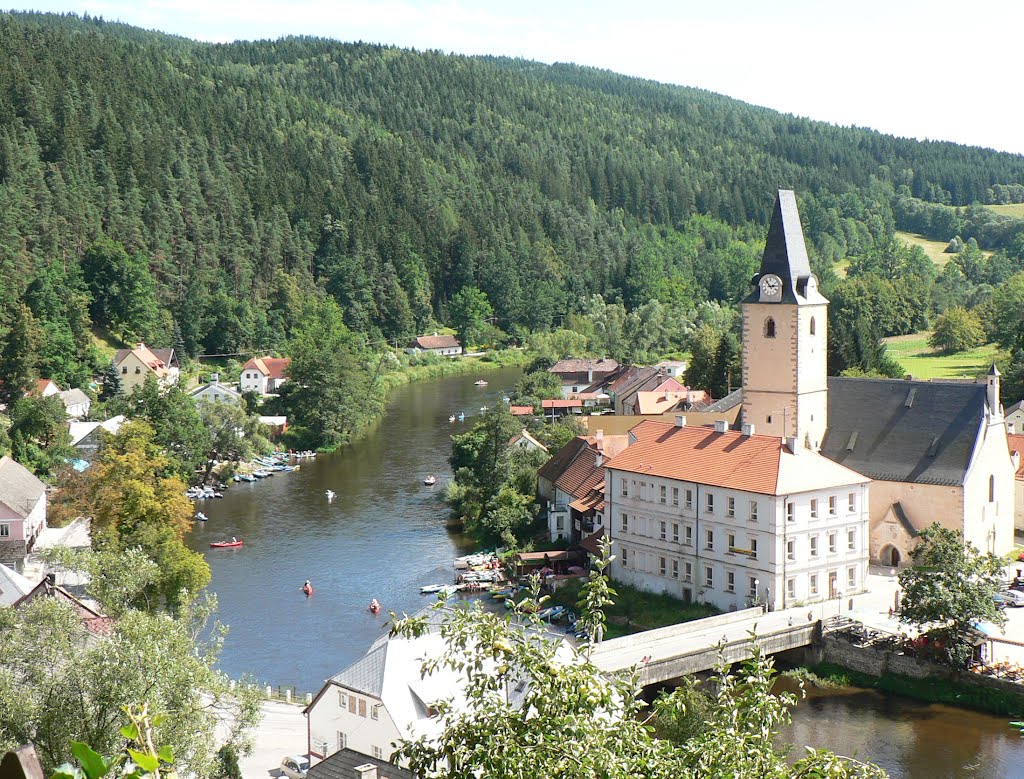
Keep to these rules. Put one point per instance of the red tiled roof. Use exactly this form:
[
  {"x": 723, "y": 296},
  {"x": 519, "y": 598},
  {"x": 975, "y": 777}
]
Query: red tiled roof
[
  {"x": 147, "y": 357},
  {"x": 521, "y": 411},
  {"x": 271, "y": 367},
  {"x": 1016, "y": 442},
  {"x": 437, "y": 342},
  {"x": 589, "y": 544},
  {"x": 561, "y": 404},
  {"x": 670, "y": 385}
]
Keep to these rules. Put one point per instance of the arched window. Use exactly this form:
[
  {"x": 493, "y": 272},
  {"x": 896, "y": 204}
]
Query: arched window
[
  {"x": 769, "y": 328},
  {"x": 812, "y": 325},
  {"x": 991, "y": 488}
]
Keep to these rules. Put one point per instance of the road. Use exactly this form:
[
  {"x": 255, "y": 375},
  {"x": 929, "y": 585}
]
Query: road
[{"x": 281, "y": 732}]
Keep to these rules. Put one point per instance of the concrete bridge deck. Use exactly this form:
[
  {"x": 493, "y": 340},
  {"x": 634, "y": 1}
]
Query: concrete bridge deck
[{"x": 692, "y": 647}]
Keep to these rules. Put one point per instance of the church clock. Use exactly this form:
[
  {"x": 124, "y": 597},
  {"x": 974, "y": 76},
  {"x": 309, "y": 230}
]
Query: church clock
[{"x": 771, "y": 288}]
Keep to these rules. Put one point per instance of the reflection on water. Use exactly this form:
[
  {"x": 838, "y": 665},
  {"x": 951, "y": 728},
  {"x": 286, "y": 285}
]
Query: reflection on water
[
  {"x": 382, "y": 537},
  {"x": 910, "y": 740}
]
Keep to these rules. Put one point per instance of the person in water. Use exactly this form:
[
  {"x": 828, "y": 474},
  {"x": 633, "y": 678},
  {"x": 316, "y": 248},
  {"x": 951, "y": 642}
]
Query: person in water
[
  {"x": 374, "y": 606},
  {"x": 307, "y": 587}
]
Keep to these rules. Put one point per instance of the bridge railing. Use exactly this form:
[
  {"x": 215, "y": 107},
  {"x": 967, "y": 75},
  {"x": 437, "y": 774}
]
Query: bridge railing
[{"x": 683, "y": 628}]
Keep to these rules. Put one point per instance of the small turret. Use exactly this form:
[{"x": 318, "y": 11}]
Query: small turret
[{"x": 992, "y": 392}]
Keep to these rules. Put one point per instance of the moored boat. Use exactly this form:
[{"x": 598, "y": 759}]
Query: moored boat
[{"x": 430, "y": 480}]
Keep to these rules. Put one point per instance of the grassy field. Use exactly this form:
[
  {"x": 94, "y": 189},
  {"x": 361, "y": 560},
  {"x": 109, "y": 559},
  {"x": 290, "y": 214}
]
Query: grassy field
[
  {"x": 1013, "y": 209},
  {"x": 936, "y": 250},
  {"x": 922, "y": 362}
]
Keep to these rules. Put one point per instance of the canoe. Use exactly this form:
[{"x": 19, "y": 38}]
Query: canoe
[{"x": 225, "y": 544}]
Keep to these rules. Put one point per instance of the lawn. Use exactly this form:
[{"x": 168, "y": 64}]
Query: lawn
[
  {"x": 936, "y": 250},
  {"x": 922, "y": 362},
  {"x": 635, "y": 610},
  {"x": 1012, "y": 209}
]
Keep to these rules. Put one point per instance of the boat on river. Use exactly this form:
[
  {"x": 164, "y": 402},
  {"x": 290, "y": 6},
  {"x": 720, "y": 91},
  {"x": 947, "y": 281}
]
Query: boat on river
[
  {"x": 451, "y": 419},
  {"x": 226, "y": 544},
  {"x": 430, "y": 480},
  {"x": 480, "y": 383},
  {"x": 330, "y": 495},
  {"x": 429, "y": 589},
  {"x": 462, "y": 416},
  {"x": 201, "y": 517}
]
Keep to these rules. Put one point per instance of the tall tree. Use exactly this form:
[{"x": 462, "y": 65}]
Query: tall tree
[{"x": 469, "y": 310}]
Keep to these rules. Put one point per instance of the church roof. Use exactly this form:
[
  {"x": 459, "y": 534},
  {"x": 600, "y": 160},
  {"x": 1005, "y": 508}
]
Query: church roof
[
  {"x": 909, "y": 431},
  {"x": 785, "y": 254}
]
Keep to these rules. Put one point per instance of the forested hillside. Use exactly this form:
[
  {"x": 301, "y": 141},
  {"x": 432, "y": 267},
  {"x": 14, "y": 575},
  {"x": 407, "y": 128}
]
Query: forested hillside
[{"x": 196, "y": 194}]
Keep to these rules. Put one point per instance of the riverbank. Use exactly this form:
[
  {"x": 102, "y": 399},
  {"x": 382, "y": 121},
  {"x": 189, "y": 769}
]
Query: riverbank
[{"x": 432, "y": 367}]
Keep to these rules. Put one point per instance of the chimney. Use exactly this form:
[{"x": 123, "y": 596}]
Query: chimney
[
  {"x": 792, "y": 445},
  {"x": 50, "y": 579},
  {"x": 748, "y": 428},
  {"x": 599, "y": 439},
  {"x": 721, "y": 425},
  {"x": 680, "y": 420},
  {"x": 140, "y": 345},
  {"x": 365, "y": 771},
  {"x": 214, "y": 378},
  {"x": 598, "y": 460}
]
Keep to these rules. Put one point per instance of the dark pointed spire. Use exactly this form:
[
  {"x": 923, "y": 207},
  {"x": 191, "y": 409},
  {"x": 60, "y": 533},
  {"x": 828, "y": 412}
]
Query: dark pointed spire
[{"x": 785, "y": 254}]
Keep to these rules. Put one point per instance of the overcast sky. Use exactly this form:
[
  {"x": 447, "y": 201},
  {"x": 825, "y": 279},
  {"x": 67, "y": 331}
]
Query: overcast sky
[{"x": 920, "y": 68}]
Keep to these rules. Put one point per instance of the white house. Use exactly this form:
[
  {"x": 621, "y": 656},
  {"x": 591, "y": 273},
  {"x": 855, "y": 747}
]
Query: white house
[
  {"x": 1015, "y": 418},
  {"x": 444, "y": 345},
  {"x": 76, "y": 403},
  {"x": 215, "y": 392},
  {"x": 733, "y": 518},
  {"x": 575, "y": 375},
  {"x": 673, "y": 368},
  {"x": 86, "y": 437},
  {"x": 44, "y": 388},
  {"x": 22, "y": 511},
  {"x": 523, "y": 440},
  {"x": 264, "y": 375}
]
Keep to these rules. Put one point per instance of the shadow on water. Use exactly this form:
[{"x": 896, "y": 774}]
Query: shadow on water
[{"x": 383, "y": 536}]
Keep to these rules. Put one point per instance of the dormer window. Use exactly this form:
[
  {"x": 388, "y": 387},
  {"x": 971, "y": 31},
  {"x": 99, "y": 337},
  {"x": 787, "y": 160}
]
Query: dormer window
[{"x": 769, "y": 328}]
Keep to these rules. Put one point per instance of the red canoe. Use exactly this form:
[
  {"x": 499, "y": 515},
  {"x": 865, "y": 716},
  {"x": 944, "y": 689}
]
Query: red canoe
[{"x": 226, "y": 544}]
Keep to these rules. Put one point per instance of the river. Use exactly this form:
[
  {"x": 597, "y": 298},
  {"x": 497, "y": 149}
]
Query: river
[{"x": 385, "y": 535}]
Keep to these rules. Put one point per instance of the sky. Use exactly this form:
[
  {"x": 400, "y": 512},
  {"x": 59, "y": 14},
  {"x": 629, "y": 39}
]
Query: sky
[{"x": 917, "y": 68}]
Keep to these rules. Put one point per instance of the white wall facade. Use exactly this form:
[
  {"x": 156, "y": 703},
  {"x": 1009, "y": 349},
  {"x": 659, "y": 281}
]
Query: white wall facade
[
  {"x": 253, "y": 380},
  {"x": 741, "y": 548},
  {"x": 990, "y": 490},
  {"x": 341, "y": 718},
  {"x": 215, "y": 393}
]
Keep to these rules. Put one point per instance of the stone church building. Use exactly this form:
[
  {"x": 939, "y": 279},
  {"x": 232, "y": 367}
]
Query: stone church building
[{"x": 935, "y": 451}]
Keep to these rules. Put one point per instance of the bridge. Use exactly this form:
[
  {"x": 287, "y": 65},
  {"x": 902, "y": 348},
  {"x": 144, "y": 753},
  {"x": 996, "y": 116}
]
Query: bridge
[{"x": 691, "y": 647}]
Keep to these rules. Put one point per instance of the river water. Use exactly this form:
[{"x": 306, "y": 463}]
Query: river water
[{"x": 385, "y": 535}]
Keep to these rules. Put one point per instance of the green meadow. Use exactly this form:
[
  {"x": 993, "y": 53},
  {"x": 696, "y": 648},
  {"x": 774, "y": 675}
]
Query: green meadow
[{"x": 923, "y": 362}]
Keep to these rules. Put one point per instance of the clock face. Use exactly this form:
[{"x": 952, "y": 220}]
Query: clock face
[{"x": 771, "y": 286}]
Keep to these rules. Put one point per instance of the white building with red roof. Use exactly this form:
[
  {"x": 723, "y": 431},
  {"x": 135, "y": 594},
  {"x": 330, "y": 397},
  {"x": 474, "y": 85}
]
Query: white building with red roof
[
  {"x": 264, "y": 375},
  {"x": 443, "y": 345},
  {"x": 732, "y": 518}
]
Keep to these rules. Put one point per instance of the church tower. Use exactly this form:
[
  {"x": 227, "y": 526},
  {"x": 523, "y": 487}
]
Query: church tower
[{"x": 785, "y": 382}]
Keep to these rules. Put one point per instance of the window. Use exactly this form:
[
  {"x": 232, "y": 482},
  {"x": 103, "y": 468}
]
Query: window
[
  {"x": 663, "y": 494},
  {"x": 675, "y": 569},
  {"x": 124, "y": 370},
  {"x": 362, "y": 707},
  {"x": 753, "y": 511},
  {"x": 353, "y": 704},
  {"x": 730, "y": 507},
  {"x": 810, "y": 327},
  {"x": 710, "y": 502},
  {"x": 732, "y": 541},
  {"x": 138, "y": 369},
  {"x": 343, "y": 699},
  {"x": 675, "y": 496},
  {"x": 710, "y": 541},
  {"x": 851, "y": 540},
  {"x": 709, "y": 576},
  {"x": 688, "y": 572},
  {"x": 852, "y": 502},
  {"x": 378, "y": 754},
  {"x": 675, "y": 532},
  {"x": 342, "y": 741},
  {"x": 790, "y": 513},
  {"x": 832, "y": 505},
  {"x": 851, "y": 578},
  {"x": 689, "y": 535},
  {"x": 752, "y": 587},
  {"x": 662, "y": 566},
  {"x": 991, "y": 488},
  {"x": 791, "y": 588},
  {"x": 814, "y": 508},
  {"x": 814, "y": 546},
  {"x": 689, "y": 499},
  {"x": 560, "y": 522},
  {"x": 625, "y": 488},
  {"x": 663, "y": 534},
  {"x": 814, "y": 584},
  {"x": 375, "y": 711},
  {"x": 769, "y": 328},
  {"x": 832, "y": 543},
  {"x": 625, "y": 557},
  {"x": 790, "y": 550},
  {"x": 753, "y": 548},
  {"x": 625, "y": 523},
  {"x": 730, "y": 581}
]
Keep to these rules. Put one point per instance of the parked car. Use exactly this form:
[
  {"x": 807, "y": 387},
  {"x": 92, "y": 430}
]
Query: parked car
[
  {"x": 1001, "y": 600},
  {"x": 295, "y": 767},
  {"x": 1013, "y": 597}
]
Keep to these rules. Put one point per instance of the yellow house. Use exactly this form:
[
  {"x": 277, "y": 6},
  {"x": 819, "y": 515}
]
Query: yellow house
[{"x": 134, "y": 365}]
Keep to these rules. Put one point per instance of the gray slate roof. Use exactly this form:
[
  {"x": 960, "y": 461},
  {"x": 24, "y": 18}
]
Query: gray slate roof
[
  {"x": 731, "y": 400},
  {"x": 911, "y": 431},
  {"x": 342, "y": 765},
  {"x": 366, "y": 675},
  {"x": 74, "y": 397},
  {"x": 19, "y": 489},
  {"x": 785, "y": 253}
]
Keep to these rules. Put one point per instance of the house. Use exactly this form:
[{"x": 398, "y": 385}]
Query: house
[
  {"x": 552, "y": 409},
  {"x": 44, "y": 388},
  {"x": 13, "y": 586},
  {"x": 22, "y": 511},
  {"x": 1015, "y": 418},
  {"x": 94, "y": 621},
  {"x": 276, "y": 425},
  {"x": 521, "y": 411},
  {"x": 571, "y": 485},
  {"x": 215, "y": 392},
  {"x": 264, "y": 375},
  {"x": 349, "y": 764},
  {"x": 661, "y": 401},
  {"x": 1016, "y": 442},
  {"x": 523, "y": 440},
  {"x": 134, "y": 365},
  {"x": 673, "y": 368},
  {"x": 443, "y": 345},
  {"x": 76, "y": 403},
  {"x": 575, "y": 375},
  {"x": 592, "y": 400},
  {"x": 86, "y": 437},
  {"x": 733, "y": 518}
]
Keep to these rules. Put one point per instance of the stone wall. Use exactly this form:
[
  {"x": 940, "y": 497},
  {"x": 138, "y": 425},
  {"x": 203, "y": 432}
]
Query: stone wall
[{"x": 12, "y": 552}]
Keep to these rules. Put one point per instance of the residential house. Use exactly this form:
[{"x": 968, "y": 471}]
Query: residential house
[
  {"x": 349, "y": 764},
  {"x": 554, "y": 408},
  {"x": 76, "y": 403},
  {"x": 443, "y": 345},
  {"x": 523, "y": 440},
  {"x": 215, "y": 392},
  {"x": 22, "y": 511},
  {"x": 575, "y": 375},
  {"x": 733, "y": 518},
  {"x": 570, "y": 485},
  {"x": 1016, "y": 442},
  {"x": 276, "y": 425},
  {"x": 264, "y": 375},
  {"x": 627, "y": 381},
  {"x": 664, "y": 401},
  {"x": 674, "y": 368},
  {"x": 134, "y": 365},
  {"x": 13, "y": 586},
  {"x": 521, "y": 411},
  {"x": 94, "y": 621},
  {"x": 1015, "y": 418},
  {"x": 592, "y": 400},
  {"x": 87, "y": 437},
  {"x": 44, "y": 388}
]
